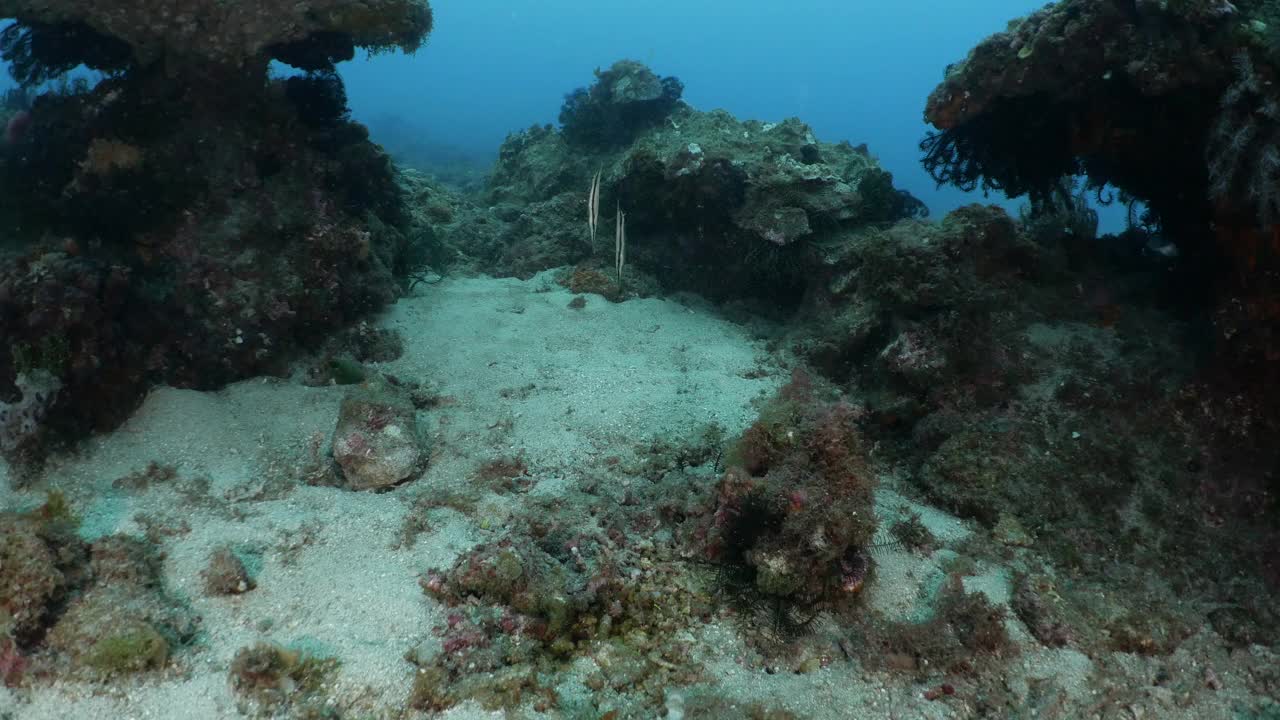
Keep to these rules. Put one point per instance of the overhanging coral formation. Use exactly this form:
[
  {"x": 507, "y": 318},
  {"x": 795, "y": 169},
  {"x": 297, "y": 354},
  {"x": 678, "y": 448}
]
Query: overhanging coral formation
[
  {"x": 194, "y": 32},
  {"x": 1119, "y": 91},
  {"x": 1174, "y": 104}
]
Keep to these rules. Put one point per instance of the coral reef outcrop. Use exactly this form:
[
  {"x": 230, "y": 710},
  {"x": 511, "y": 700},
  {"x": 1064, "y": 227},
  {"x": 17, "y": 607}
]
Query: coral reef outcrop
[
  {"x": 185, "y": 219},
  {"x": 730, "y": 208},
  {"x": 1175, "y": 105}
]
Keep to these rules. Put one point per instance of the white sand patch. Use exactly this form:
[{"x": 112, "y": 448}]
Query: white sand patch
[
  {"x": 907, "y": 581},
  {"x": 906, "y": 584},
  {"x": 1066, "y": 668},
  {"x": 994, "y": 582},
  {"x": 891, "y": 506},
  {"x": 568, "y": 387},
  {"x": 839, "y": 691}
]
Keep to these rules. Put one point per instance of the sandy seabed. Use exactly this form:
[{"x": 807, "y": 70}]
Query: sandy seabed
[{"x": 526, "y": 376}]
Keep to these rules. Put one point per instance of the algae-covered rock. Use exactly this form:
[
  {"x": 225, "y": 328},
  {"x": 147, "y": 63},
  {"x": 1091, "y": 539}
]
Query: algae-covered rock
[
  {"x": 273, "y": 679},
  {"x": 912, "y": 306},
  {"x": 42, "y": 560},
  {"x": 226, "y": 574},
  {"x": 794, "y": 512},
  {"x": 1173, "y": 104},
  {"x": 124, "y": 621},
  {"x": 30, "y": 579},
  {"x": 132, "y": 647},
  {"x": 376, "y": 440}
]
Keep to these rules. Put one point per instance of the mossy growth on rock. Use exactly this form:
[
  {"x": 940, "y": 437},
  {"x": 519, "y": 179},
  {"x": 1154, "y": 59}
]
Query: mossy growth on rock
[
  {"x": 122, "y": 620},
  {"x": 134, "y": 647}
]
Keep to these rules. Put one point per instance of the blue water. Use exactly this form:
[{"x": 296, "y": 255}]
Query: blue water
[{"x": 858, "y": 70}]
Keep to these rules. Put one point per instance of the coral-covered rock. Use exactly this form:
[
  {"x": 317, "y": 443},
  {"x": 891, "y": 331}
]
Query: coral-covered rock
[
  {"x": 1045, "y": 52},
  {"x": 906, "y": 308},
  {"x": 13, "y": 662},
  {"x": 376, "y": 440},
  {"x": 795, "y": 512},
  {"x": 278, "y": 680},
  {"x": 42, "y": 561},
  {"x": 30, "y": 580},
  {"x": 728, "y": 208},
  {"x": 1094, "y": 88},
  {"x": 1175, "y": 104},
  {"x": 915, "y": 358},
  {"x": 21, "y": 419},
  {"x": 226, "y": 574},
  {"x": 550, "y": 589},
  {"x": 521, "y": 576},
  {"x": 625, "y": 100}
]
